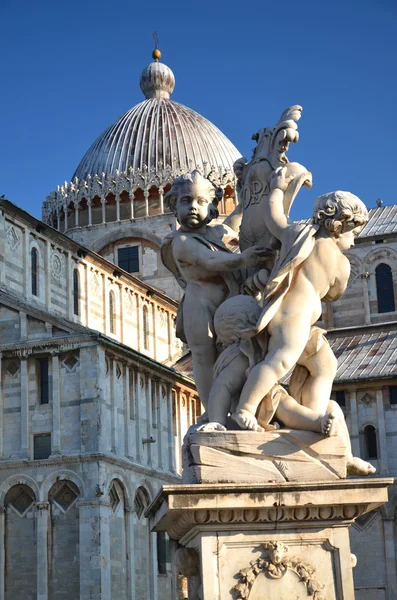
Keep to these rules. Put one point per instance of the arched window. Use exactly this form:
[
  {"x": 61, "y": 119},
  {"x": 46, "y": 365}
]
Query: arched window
[
  {"x": 34, "y": 260},
  {"x": 112, "y": 320},
  {"x": 371, "y": 446},
  {"x": 76, "y": 292},
  {"x": 145, "y": 318},
  {"x": 384, "y": 288}
]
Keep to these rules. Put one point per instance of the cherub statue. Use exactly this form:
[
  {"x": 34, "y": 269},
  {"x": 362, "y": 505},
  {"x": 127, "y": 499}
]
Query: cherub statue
[
  {"x": 311, "y": 267},
  {"x": 307, "y": 403},
  {"x": 204, "y": 267}
]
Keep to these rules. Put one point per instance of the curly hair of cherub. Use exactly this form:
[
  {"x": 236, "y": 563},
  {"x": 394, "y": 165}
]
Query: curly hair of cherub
[
  {"x": 233, "y": 316},
  {"x": 339, "y": 211},
  {"x": 171, "y": 196}
]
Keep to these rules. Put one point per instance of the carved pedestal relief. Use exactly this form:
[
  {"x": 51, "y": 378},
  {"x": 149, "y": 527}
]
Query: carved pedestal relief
[{"x": 291, "y": 576}]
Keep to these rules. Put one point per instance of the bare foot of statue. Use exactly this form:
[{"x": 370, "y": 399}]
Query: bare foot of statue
[
  {"x": 246, "y": 420},
  {"x": 211, "y": 426},
  {"x": 329, "y": 424},
  {"x": 357, "y": 466}
]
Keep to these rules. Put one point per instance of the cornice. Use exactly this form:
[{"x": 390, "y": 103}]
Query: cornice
[{"x": 61, "y": 461}]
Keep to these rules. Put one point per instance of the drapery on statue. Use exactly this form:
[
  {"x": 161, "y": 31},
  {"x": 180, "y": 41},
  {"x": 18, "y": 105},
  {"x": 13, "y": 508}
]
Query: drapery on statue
[{"x": 270, "y": 329}]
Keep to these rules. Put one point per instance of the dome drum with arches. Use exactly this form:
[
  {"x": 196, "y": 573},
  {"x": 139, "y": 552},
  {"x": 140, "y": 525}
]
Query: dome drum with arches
[{"x": 132, "y": 162}]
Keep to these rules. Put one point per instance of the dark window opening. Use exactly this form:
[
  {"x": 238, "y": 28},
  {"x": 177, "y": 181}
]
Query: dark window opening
[
  {"x": 340, "y": 397},
  {"x": 384, "y": 288},
  {"x": 162, "y": 548},
  {"x": 76, "y": 292},
  {"x": 128, "y": 259},
  {"x": 42, "y": 446},
  {"x": 371, "y": 446},
  {"x": 44, "y": 381},
  {"x": 34, "y": 271},
  {"x": 393, "y": 394}
]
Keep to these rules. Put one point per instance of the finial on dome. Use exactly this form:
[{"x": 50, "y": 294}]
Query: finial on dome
[
  {"x": 156, "y": 54},
  {"x": 157, "y": 80}
]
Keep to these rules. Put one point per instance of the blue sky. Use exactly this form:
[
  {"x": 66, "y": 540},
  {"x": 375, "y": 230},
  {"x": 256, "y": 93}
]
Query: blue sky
[{"x": 69, "y": 69}]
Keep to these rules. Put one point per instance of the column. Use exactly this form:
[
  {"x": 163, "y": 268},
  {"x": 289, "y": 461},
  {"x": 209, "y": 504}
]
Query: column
[
  {"x": 355, "y": 440},
  {"x": 65, "y": 210},
  {"x": 131, "y": 553},
  {"x": 69, "y": 277},
  {"x": 127, "y": 407},
  {"x": 89, "y": 204},
  {"x": 138, "y": 321},
  {"x": 153, "y": 565},
  {"x": 58, "y": 219},
  {"x": 138, "y": 431},
  {"x": 94, "y": 550},
  {"x": 390, "y": 554},
  {"x": 132, "y": 196},
  {"x": 170, "y": 432},
  {"x": 169, "y": 330},
  {"x": 367, "y": 310},
  {"x": 161, "y": 194},
  {"x": 103, "y": 202},
  {"x": 56, "y": 406},
  {"x": 24, "y": 409},
  {"x": 48, "y": 278},
  {"x": 161, "y": 416},
  {"x": 118, "y": 208},
  {"x": 154, "y": 336},
  {"x": 121, "y": 306},
  {"x": 146, "y": 194},
  {"x": 27, "y": 265},
  {"x": 380, "y": 413},
  {"x": 148, "y": 390},
  {"x": 76, "y": 214},
  {"x": 42, "y": 550},
  {"x": 2, "y": 552},
  {"x": 112, "y": 374}
]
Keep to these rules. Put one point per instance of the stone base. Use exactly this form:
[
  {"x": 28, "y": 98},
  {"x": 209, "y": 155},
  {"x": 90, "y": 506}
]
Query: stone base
[
  {"x": 270, "y": 456},
  {"x": 275, "y": 541}
]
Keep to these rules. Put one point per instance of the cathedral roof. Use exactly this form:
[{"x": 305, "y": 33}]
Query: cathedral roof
[{"x": 157, "y": 133}]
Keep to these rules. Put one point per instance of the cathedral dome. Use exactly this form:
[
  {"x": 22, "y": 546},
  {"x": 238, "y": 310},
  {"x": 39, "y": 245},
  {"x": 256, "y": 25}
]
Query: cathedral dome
[
  {"x": 158, "y": 133},
  {"x": 127, "y": 171}
]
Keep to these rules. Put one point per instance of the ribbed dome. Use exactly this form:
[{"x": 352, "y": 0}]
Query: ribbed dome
[{"x": 156, "y": 133}]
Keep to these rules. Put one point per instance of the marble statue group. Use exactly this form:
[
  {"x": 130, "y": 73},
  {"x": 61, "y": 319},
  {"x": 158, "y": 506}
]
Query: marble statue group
[{"x": 249, "y": 317}]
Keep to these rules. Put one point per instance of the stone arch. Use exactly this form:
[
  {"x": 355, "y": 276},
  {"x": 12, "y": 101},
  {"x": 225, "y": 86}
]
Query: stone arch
[
  {"x": 20, "y": 539},
  {"x": 125, "y": 232},
  {"x": 63, "y": 524},
  {"x": 60, "y": 475},
  {"x": 18, "y": 480},
  {"x": 118, "y": 533},
  {"x": 383, "y": 254},
  {"x": 143, "y": 542},
  {"x": 144, "y": 483},
  {"x": 125, "y": 483}
]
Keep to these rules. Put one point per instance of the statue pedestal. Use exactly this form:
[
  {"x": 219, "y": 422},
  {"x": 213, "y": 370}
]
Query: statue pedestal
[{"x": 279, "y": 541}]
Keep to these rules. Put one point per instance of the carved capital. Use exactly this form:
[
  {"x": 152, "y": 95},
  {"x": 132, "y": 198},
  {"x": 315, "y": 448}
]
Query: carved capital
[{"x": 40, "y": 506}]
